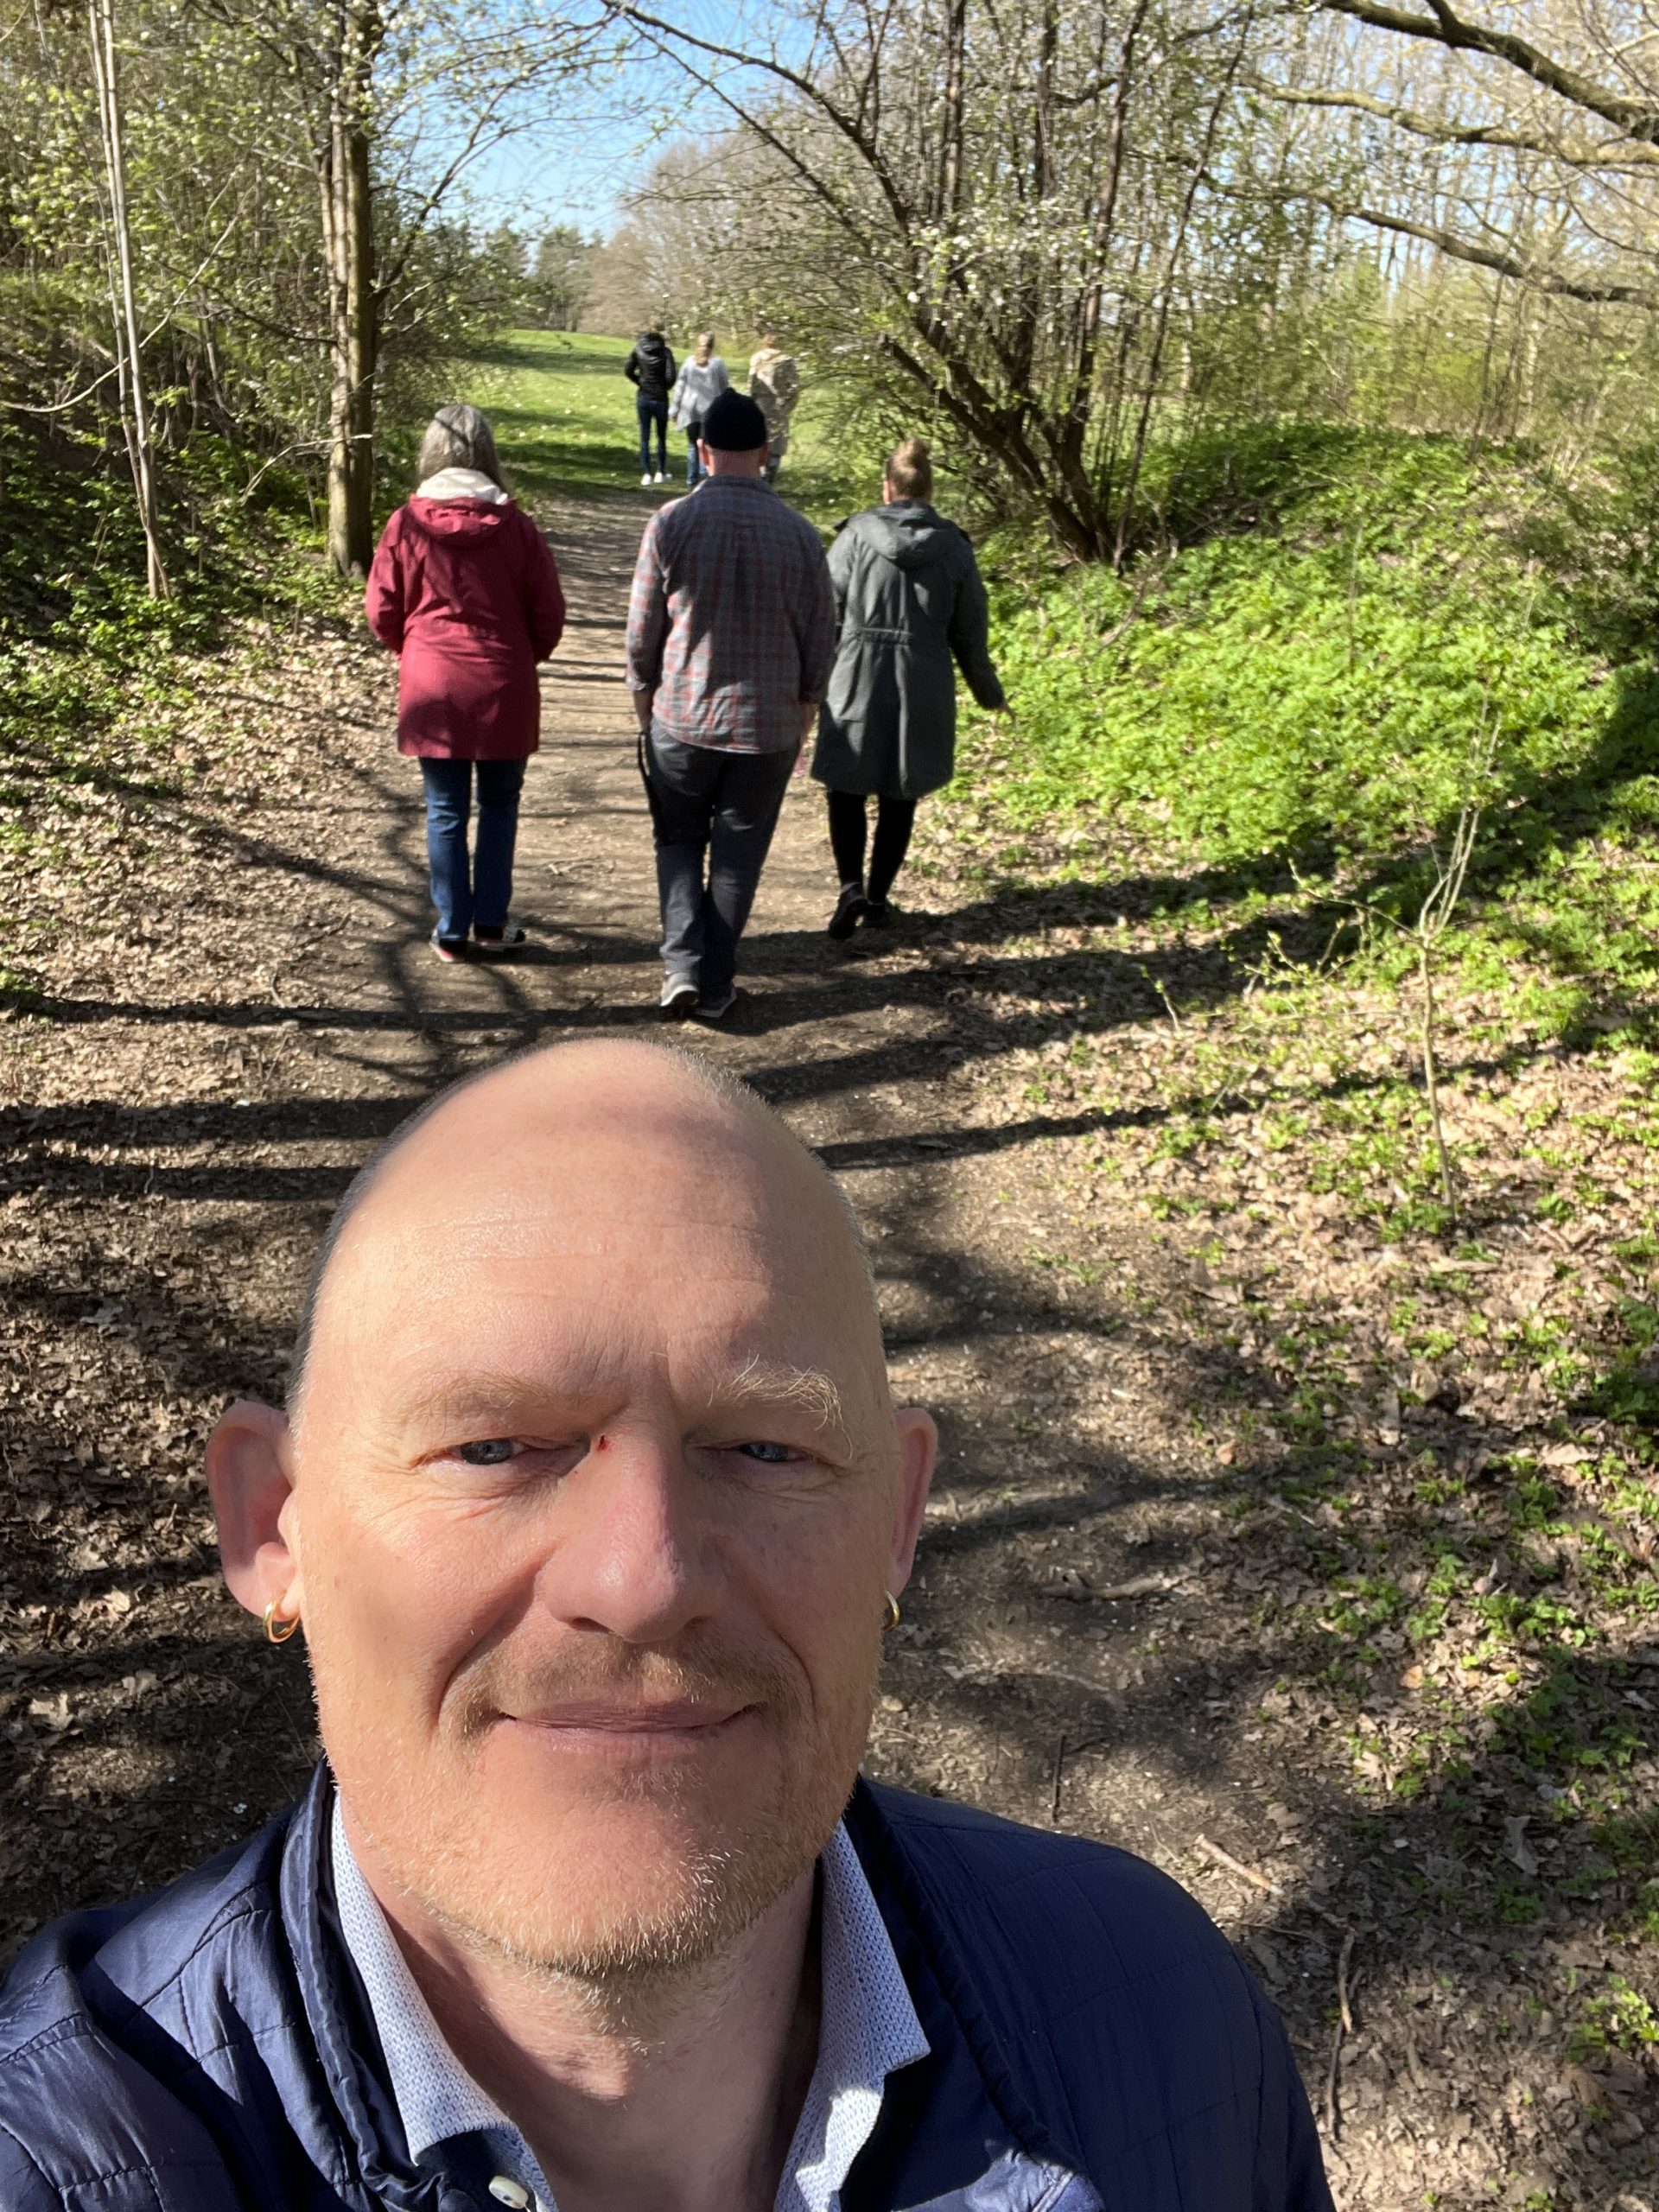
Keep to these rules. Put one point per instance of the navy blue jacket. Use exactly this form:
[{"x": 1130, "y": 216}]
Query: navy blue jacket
[{"x": 1092, "y": 2037}]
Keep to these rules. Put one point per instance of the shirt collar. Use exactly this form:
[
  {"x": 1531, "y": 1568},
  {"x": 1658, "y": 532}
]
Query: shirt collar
[
  {"x": 869, "y": 2029},
  {"x": 735, "y": 484},
  {"x": 434, "y": 2095}
]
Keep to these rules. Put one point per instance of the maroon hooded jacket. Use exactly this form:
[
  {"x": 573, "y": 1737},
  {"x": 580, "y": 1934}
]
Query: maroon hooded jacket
[{"x": 467, "y": 596}]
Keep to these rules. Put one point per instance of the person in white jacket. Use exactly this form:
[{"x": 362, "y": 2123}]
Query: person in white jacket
[{"x": 701, "y": 378}]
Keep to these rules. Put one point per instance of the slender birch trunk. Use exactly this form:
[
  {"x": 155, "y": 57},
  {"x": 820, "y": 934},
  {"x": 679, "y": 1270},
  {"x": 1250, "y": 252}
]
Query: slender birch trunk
[
  {"x": 353, "y": 305},
  {"x": 129, "y": 352}
]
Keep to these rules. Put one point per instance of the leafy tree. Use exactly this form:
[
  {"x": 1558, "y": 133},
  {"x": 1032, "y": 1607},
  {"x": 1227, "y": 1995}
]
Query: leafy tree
[
  {"x": 290, "y": 171},
  {"x": 560, "y": 277}
]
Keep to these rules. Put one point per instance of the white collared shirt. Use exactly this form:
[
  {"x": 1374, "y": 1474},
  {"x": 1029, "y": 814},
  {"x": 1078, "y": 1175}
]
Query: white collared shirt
[{"x": 869, "y": 2029}]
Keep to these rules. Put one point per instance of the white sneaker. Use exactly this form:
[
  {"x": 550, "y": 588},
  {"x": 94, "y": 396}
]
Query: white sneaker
[
  {"x": 661, "y": 478},
  {"x": 647, "y": 480}
]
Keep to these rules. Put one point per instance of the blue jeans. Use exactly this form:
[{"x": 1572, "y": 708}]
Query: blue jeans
[
  {"x": 652, "y": 413},
  {"x": 723, "y": 806},
  {"x": 478, "y": 895},
  {"x": 694, "y": 468}
]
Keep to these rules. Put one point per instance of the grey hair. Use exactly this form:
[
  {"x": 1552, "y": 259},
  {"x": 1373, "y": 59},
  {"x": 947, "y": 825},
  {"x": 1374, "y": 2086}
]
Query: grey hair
[
  {"x": 713, "y": 1081},
  {"x": 459, "y": 436}
]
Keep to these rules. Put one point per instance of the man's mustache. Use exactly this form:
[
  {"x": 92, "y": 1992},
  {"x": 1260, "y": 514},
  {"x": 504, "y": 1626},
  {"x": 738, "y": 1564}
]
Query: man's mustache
[{"x": 608, "y": 1672}]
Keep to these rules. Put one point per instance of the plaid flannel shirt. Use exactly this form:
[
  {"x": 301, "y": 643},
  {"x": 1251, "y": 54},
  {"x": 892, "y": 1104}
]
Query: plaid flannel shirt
[{"x": 731, "y": 620}]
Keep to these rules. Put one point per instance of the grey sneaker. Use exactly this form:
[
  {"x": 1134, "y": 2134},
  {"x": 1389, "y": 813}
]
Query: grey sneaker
[
  {"x": 679, "y": 1000},
  {"x": 715, "y": 1011}
]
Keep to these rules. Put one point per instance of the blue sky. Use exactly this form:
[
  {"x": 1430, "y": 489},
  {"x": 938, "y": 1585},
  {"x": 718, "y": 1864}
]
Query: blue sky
[
  {"x": 577, "y": 166},
  {"x": 577, "y": 177}
]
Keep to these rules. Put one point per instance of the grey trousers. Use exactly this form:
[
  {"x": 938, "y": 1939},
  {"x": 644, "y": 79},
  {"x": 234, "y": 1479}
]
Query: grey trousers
[{"x": 720, "y": 808}]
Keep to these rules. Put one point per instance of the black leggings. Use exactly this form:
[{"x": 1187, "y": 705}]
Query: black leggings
[{"x": 894, "y": 818}]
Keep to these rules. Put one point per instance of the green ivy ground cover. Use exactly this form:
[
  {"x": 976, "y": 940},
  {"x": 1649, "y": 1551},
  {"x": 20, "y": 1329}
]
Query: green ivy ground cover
[
  {"x": 1313, "y": 681},
  {"x": 94, "y": 674}
]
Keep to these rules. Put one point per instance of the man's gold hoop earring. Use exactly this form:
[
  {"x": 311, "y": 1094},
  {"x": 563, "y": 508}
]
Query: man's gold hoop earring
[
  {"x": 279, "y": 1626},
  {"x": 891, "y": 1621}
]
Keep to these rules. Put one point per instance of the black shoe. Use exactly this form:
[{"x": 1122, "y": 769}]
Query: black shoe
[
  {"x": 879, "y": 913},
  {"x": 498, "y": 944},
  {"x": 850, "y": 910},
  {"x": 719, "y": 1014}
]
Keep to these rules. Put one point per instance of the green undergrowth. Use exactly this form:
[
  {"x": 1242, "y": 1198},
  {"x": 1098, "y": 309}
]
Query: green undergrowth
[
  {"x": 96, "y": 678},
  {"x": 1186, "y": 852},
  {"x": 1291, "y": 687}
]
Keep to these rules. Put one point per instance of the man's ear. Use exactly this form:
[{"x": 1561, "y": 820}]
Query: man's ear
[
  {"x": 248, "y": 1481},
  {"x": 919, "y": 1448}
]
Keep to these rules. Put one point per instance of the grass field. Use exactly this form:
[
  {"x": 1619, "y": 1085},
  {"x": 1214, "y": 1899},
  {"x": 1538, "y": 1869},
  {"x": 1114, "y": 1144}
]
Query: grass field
[
  {"x": 564, "y": 424},
  {"x": 563, "y": 411}
]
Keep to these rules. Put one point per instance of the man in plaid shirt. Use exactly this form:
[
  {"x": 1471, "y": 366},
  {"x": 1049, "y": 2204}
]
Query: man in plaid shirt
[{"x": 731, "y": 634}]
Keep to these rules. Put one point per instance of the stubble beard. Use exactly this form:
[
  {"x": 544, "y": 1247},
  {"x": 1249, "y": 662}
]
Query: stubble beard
[{"x": 437, "y": 1838}]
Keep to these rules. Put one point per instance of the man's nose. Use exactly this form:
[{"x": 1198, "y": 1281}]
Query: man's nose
[{"x": 634, "y": 1556}]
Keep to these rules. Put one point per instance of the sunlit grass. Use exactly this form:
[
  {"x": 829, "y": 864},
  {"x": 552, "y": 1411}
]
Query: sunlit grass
[
  {"x": 563, "y": 411},
  {"x": 565, "y": 426}
]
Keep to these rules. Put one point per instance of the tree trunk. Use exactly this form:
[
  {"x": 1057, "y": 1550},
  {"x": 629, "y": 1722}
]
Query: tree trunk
[
  {"x": 950, "y": 135},
  {"x": 129, "y": 353},
  {"x": 354, "y": 303}
]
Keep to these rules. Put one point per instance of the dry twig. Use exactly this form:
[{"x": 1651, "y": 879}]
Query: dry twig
[
  {"x": 1234, "y": 1865},
  {"x": 1344, "y": 2026}
]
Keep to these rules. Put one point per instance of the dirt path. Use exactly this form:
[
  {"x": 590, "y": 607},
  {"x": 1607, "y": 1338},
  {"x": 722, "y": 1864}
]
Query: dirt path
[{"x": 241, "y": 1001}]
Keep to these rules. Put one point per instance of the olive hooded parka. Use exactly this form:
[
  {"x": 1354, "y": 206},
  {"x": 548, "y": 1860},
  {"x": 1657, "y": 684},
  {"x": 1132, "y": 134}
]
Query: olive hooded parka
[{"x": 910, "y": 610}]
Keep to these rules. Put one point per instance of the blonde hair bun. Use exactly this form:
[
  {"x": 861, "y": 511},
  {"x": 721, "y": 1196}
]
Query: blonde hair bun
[{"x": 910, "y": 469}]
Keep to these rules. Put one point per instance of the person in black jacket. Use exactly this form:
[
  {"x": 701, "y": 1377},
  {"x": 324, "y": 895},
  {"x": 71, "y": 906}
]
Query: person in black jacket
[
  {"x": 651, "y": 367},
  {"x": 593, "y": 1503}
]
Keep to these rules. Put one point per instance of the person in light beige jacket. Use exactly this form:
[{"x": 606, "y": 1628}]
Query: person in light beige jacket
[{"x": 775, "y": 385}]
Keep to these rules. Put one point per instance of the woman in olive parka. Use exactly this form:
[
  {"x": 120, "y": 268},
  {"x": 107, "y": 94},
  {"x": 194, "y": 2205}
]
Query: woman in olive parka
[{"x": 911, "y": 611}]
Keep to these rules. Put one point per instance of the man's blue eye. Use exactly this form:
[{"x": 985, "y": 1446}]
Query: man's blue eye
[
  {"x": 487, "y": 1452},
  {"x": 771, "y": 1455}
]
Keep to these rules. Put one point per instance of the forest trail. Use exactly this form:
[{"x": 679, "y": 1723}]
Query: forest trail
[{"x": 247, "y": 1002}]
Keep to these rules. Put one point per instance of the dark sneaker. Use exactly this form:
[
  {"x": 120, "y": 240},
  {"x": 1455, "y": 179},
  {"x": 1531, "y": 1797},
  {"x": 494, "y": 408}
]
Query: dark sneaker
[
  {"x": 494, "y": 944},
  {"x": 850, "y": 910},
  {"x": 879, "y": 913},
  {"x": 679, "y": 1000},
  {"x": 716, "y": 1011},
  {"x": 449, "y": 948}
]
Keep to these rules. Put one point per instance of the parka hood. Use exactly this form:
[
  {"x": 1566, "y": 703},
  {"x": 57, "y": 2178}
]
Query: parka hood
[
  {"x": 463, "y": 521},
  {"x": 908, "y": 532},
  {"x": 462, "y": 484}
]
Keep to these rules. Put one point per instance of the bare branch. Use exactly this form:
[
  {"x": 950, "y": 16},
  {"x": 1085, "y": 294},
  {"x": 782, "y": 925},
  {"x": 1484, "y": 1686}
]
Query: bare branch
[
  {"x": 1580, "y": 154},
  {"x": 1638, "y": 119},
  {"x": 1539, "y": 279}
]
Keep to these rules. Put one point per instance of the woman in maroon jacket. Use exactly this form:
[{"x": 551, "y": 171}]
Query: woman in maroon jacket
[{"x": 464, "y": 591}]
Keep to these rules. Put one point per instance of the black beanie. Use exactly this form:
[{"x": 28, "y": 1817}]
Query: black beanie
[{"x": 734, "y": 423}]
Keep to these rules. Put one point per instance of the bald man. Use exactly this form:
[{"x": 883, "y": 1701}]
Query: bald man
[{"x": 592, "y": 1503}]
